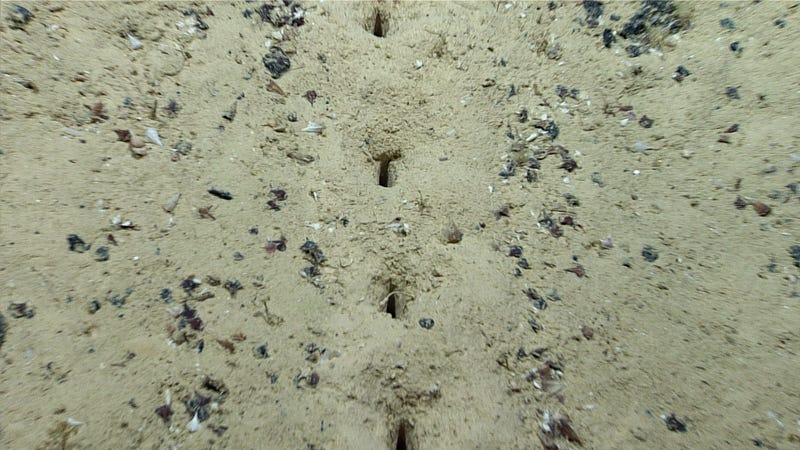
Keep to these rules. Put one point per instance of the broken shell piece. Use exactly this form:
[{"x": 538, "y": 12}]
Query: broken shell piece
[
  {"x": 170, "y": 205},
  {"x": 136, "y": 44},
  {"x": 138, "y": 152},
  {"x": 151, "y": 135},
  {"x": 314, "y": 127},
  {"x": 194, "y": 424},
  {"x": 136, "y": 142},
  {"x": 73, "y": 423}
]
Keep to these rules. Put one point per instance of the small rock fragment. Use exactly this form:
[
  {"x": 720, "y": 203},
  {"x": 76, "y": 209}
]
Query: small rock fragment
[
  {"x": 18, "y": 17},
  {"x": 649, "y": 253},
  {"x": 76, "y": 244},
  {"x": 426, "y": 323},
  {"x": 276, "y": 62},
  {"x": 101, "y": 254},
  {"x": 761, "y": 208},
  {"x": 21, "y": 310},
  {"x": 675, "y": 424}
]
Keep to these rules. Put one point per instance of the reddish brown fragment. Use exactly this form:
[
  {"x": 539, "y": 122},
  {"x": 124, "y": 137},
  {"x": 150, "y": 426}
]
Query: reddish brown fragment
[
  {"x": 587, "y": 332},
  {"x": 761, "y": 208},
  {"x": 227, "y": 345},
  {"x": 123, "y": 135}
]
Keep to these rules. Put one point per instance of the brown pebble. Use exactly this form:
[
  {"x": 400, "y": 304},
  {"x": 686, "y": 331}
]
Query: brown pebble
[
  {"x": 136, "y": 142},
  {"x": 587, "y": 332},
  {"x": 761, "y": 208}
]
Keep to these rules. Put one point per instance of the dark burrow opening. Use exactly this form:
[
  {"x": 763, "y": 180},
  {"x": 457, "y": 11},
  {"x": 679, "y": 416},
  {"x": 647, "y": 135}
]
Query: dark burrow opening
[
  {"x": 393, "y": 301},
  {"x": 384, "y": 174},
  {"x": 404, "y": 440},
  {"x": 378, "y": 25}
]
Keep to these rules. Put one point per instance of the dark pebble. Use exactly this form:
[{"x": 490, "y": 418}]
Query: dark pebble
[
  {"x": 727, "y": 23},
  {"x": 292, "y": 117},
  {"x": 675, "y": 424},
  {"x": 233, "y": 286},
  {"x": 76, "y": 244},
  {"x": 426, "y": 323},
  {"x": 646, "y": 122},
  {"x": 313, "y": 379},
  {"x": 735, "y": 46},
  {"x": 795, "y": 252},
  {"x": 3, "y": 328},
  {"x": 608, "y": 38},
  {"x": 94, "y": 306},
  {"x": 649, "y": 253},
  {"x": 634, "y": 50},
  {"x": 515, "y": 251},
  {"x": 166, "y": 295},
  {"x": 276, "y": 62},
  {"x": 262, "y": 351},
  {"x": 165, "y": 412},
  {"x": 21, "y": 310},
  {"x": 780, "y": 23},
  {"x": 523, "y": 263},
  {"x": 238, "y": 256},
  {"x": 101, "y": 254},
  {"x": 221, "y": 194},
  {"x": 19, "y": 17},
  {"x": 615, "y": 17},
  {"x": 732, "y": 92}
]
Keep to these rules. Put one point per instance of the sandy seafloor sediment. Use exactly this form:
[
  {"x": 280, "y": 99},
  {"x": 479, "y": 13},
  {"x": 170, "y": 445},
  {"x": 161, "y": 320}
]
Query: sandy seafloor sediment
[{"x": 692, "y": 315}]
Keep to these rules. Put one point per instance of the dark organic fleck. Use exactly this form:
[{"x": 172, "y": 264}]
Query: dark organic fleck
[
  {"x": 76, "y": 244},
  {"x": 279, "y": 194},
  {"x": 426, "y": 323},
  {"x": 273, "y": 205},
  {"x": 313, "y": 252},
  {"x": 276, "y": 62},
  {"x": 195, "y": 323},
  {"x": 278, "y": 245},
  {"x": 794, "y": 251},
  {"x": 20, "y": 310},
  {"x": 569, "y": 165},
  {"x": 649, "y": 253},
  {"x": 221, "y": 194},
  {"x": 94, "y": 306},
  {"x": 608, "y": 38},
  {"x": 253, "y": 231},
  {"x": 675, "y": 424},
  {"x": 123, "y": 135},
  {"x": 189, "y": 284},
  {"x": 634, "y": 50},
  {"x": 262, "y": 351},
  {"x": 165, "y": 412},
  {"x": 727, "y": 23},
  {"x": 233, "y": 286},
  {"x": 3, "y": 328},
  {"x": 311, "y": 96}
]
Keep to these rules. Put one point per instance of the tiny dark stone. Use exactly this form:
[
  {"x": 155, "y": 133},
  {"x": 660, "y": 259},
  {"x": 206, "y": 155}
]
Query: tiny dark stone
[
  {"x": 615, "y": 17},
  {"x": 634, "y": 50},
  {"x": 795, "y": 252},
  {"x": 19, "y": 17},
  {"x": 273, "y": 205},
  {"x": 539, "y": 303},
  {"x": 279, "y": 194},
  {"x": 534, "y": 325},
  {"x": 649, "y": 253},
  {"x": 21, "y": 310},
  {"x": 515, "y": 251},
  {"x": 253, "y": 231},
  {"x": 221, "y": 194},
  {"x": 735, "y": 46},
  {"x": 313, "y": 379},
  {"x": 732, "y": 92},
  {"x": 523, "y": 263},
  {"x": 165, "y": 412},
  {"x": 276, "y": 62},
  {"x": 608, "y": 38},
  {"x": 740, "y": 203},
  {"x": 426, "y": 323},
  {"x": 101, "y": 254},
  {"x": 166, "y": 295},
  {"x": 646, "y": 122},
  {"x": 522, "y": 115},
  {"x": 76, "y": 244},
  {"x": 727, "y": 23},
  {"x": 189, "y": 284},
  {"x": 233, "y": 286},
  {"x": 262, "y": 351},
  {"x": 594, "y": 9},
  {"x": 675, "y": 424},
  {"x": 551, "y": 6},
  {"x": 94, "y": 306},
  {"x": 238, "y": 256},
  {"x": 780, "y": 23},
  {"x": 313, "y": 253},
  {"x": 292, "y": 117}
]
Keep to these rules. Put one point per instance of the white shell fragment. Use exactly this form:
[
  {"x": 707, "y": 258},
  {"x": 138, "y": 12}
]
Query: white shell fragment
[
  {"x": 399, "y": 228},
  {"x": 151, "y": 135},
  {"x": 170, "y": 204},
  {"x": 194, "y": 424},
  {"x": 314, "y": 127},
  {"x": 135, "y": 43},
  {"x": 73, "y": 423}
]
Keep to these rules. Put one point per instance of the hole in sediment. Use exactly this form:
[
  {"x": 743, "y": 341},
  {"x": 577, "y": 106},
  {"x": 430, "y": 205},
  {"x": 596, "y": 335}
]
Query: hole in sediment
[
  {"x": 384, "y": 174},
  {"x": 404, "y": 439},
  {"x": 392, "y": 302},
  {"x": 378, "y": 25}
]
